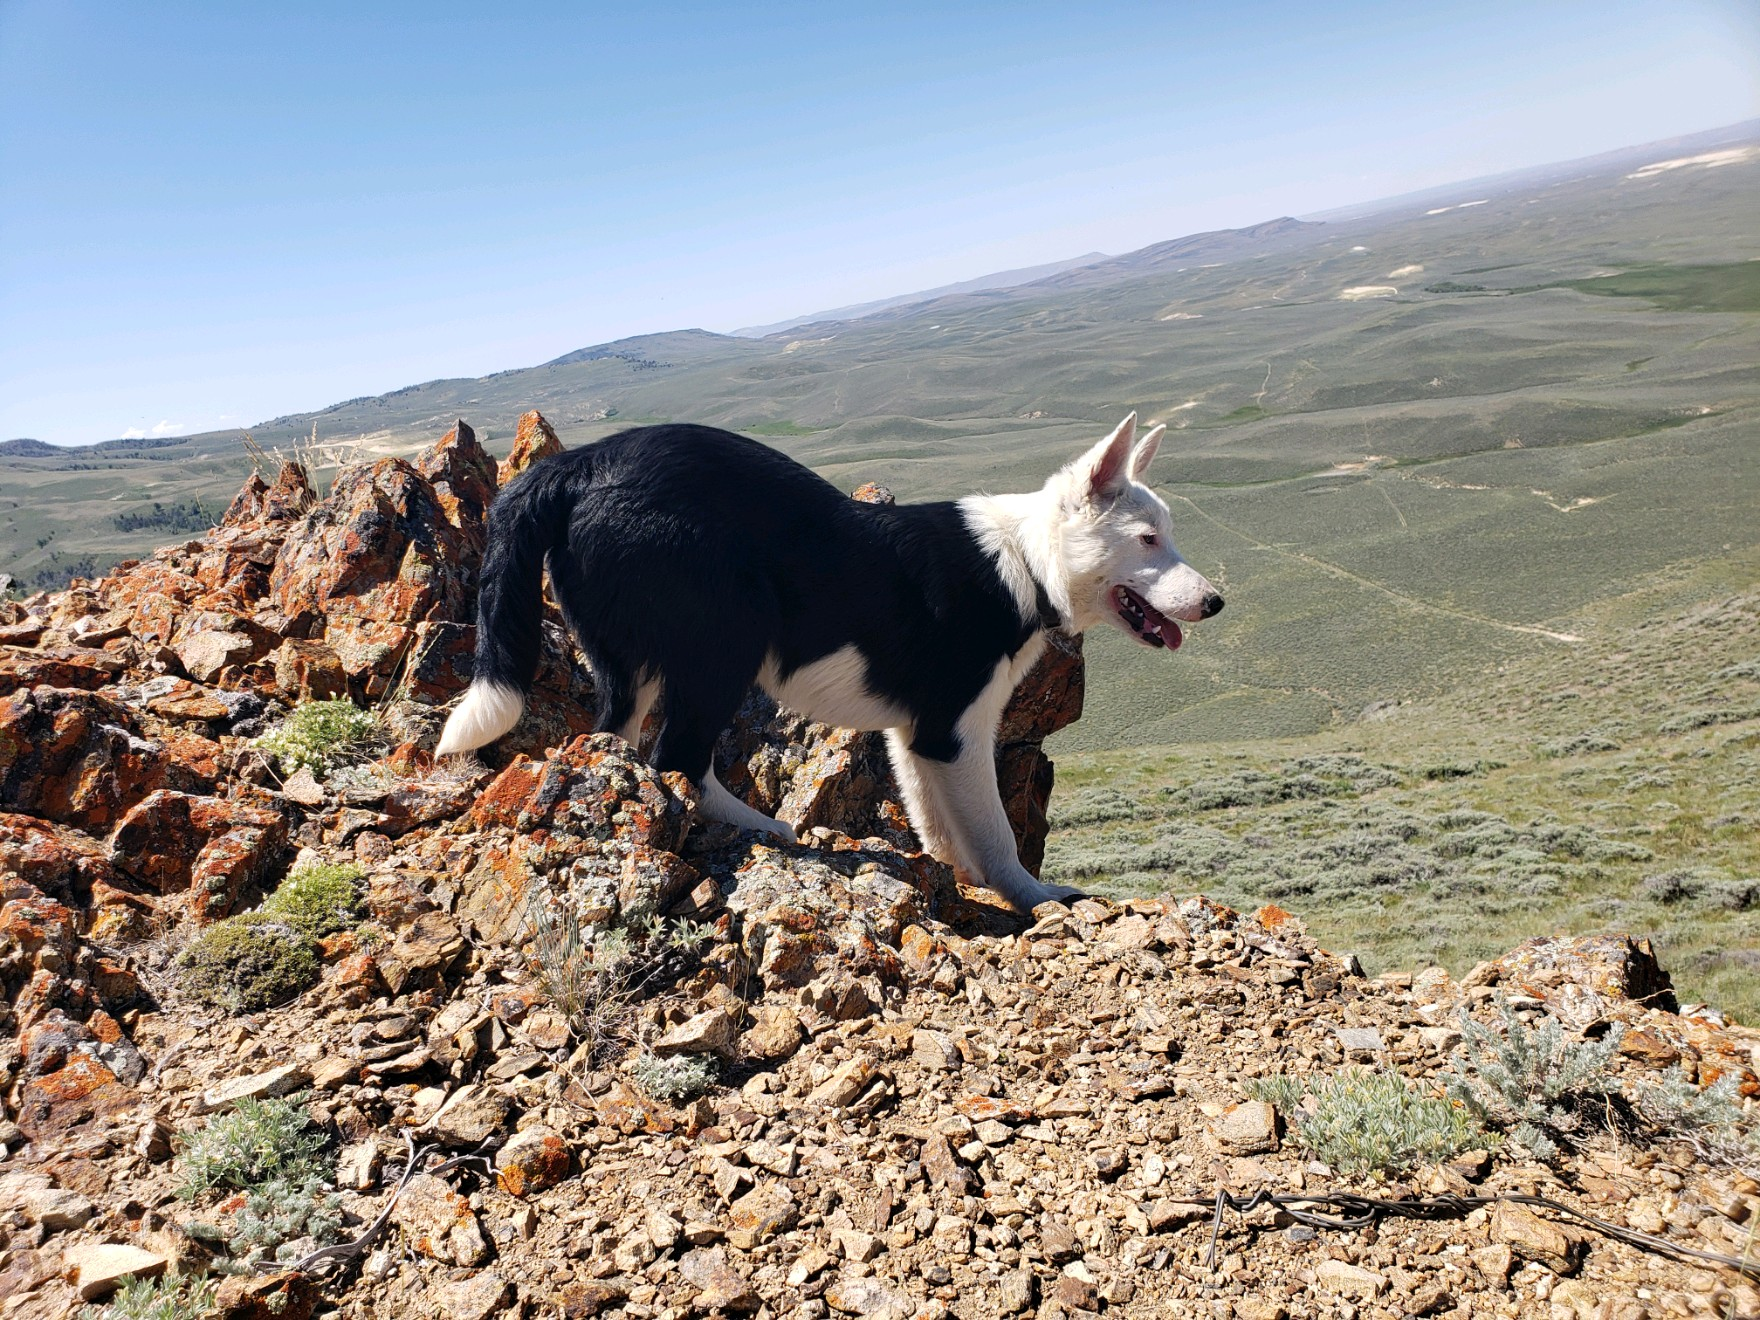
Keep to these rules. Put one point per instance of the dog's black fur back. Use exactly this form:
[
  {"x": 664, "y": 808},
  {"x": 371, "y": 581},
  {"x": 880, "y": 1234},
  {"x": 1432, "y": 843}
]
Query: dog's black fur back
[{"x": 688, "y": 554}]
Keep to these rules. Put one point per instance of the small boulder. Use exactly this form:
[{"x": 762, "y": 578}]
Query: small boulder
[
  {"x": 760, "y": 1215},
  {"x": 439, "y": 1222},
  {"x": 709, "y": 1032},
  {"x": 1248, "y": 1128},
  {"x": 470, "y": 1116},
  {"x": 720, "y": 1287},
  {"x": 534, "y": 1159},
  {"x": 775, "y": 1033},
  {"x": 1530, "y": 1237},
  {"x": 476, "y": 1298},
  {"x": 98, "y": 1269}
]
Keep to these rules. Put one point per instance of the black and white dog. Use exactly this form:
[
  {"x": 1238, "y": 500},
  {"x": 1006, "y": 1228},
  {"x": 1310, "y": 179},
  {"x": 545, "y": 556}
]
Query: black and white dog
[{"x": 690, "y": 562}]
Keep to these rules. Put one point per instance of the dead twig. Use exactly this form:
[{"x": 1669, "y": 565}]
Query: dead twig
[
  {"x": 1350, "y": 1211},
  {"x": 347, "y": 1251}
]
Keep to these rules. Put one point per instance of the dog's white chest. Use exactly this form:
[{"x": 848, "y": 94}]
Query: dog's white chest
[{"x": 832, "y": 690}]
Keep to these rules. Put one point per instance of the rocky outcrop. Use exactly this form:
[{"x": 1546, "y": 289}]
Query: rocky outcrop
[
  {"x": 533, "y": 440},
  {"x": 376, "y": 558}
]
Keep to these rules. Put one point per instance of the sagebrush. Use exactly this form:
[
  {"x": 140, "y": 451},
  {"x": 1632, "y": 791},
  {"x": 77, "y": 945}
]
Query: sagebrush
[
  {"x": 1532, "y": 1081},
  {"x": 169, "y": 1297},
  {"x": 256, "y": 1142},
  {"x": 1362, "y": 1122}
]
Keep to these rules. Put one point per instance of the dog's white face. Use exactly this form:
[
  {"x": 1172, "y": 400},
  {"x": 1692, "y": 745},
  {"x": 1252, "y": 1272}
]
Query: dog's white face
[{"x": 1117, "y": 544}]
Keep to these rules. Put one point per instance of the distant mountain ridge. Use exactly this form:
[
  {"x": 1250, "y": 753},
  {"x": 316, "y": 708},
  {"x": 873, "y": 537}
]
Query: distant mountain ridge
[
  {"x": 1002, "y": 279},
  {"x": 27, "y": 448}
]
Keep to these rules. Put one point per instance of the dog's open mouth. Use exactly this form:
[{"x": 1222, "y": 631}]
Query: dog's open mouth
[{"x": 1148, "y": 624}]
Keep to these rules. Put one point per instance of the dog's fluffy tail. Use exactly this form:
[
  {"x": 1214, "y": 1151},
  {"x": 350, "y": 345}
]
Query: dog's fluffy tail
[{"x": 526, "y": 522}]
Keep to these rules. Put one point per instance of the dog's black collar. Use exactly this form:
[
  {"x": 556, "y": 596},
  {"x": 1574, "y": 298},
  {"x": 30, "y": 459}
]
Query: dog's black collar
[{"x": 1049, "y": 617}]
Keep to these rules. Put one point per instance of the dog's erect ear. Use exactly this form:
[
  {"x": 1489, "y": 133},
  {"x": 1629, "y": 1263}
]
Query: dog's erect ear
[
  {"x": 1144, "y": 453},
  {"x": 1105, "y": 468}
]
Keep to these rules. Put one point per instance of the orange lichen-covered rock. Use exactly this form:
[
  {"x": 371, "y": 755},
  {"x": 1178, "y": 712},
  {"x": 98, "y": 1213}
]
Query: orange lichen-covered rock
[
  {"x": 309, "y": 671},
  {"x": 534, "y": 1158},
  {"x": 63, "y": 667},
  {"x": 81, "y": 1093},
  {"x": 531, "y": 441},
  {"x": 59, "y": 861},
  {"x": 256, "y": 502},
  {"x": 463, "y": 477},
  {"x": 378, "y": 556},
  {"x": 213, "y": 847},
  {"x": 79, "y": 758}
]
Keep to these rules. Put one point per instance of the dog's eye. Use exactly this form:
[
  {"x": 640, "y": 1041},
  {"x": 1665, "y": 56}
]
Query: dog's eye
[{"x": 1150, "y": 539}]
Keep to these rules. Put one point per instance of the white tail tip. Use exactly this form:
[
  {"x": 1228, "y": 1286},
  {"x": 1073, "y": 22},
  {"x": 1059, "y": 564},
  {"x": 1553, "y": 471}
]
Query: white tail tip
[{"x": 487, "y": 711}]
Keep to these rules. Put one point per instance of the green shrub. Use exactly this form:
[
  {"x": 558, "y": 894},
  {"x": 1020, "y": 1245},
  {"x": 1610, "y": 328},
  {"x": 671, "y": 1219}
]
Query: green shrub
[
  {"x": 1094, "y": 806},
  {"x": 280, "y": 1213},
  {"x": 319, "y": 736},
  {"x": 319, "y": 898},
  {"x": 170, "y": 1297},
  {"x": 248, "y": 962},
  {"x": 257, "y": 1142},
  {"x": 1709, "y": 1119},
  {"x": 1363, "y": 1122},
  {"x": 1531, "y": 1082},
  {"x": 271, "y": 1151},
  {"x": 681, "y": 1077}
]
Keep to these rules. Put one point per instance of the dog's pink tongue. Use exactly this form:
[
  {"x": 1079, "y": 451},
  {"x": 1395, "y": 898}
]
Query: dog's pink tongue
[{"x": 1170, "y": 634}]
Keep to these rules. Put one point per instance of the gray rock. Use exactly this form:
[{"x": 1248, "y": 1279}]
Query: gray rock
[
  {"x": 97, "y": 1268},
  {"x": 476, "y": 1298},
  {"x": 869, "y": 1297},
  {"x": 720, "y": 1287},
  {"x": 1249, "y": 1128},
  {"x": 279, "y": 1081}
]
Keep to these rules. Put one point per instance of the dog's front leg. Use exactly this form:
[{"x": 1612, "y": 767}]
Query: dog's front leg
[
  {"x": 933, "y": 832},
  {"x": 960, "y": 799}
]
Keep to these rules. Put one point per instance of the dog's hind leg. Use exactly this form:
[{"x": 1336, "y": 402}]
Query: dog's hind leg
[
  {"x": 695, "y": 715},
  {"x": 968, "y": 805},
  {"x": 624, "y": 701},
  {"x": 630, "y": 730},
  {"x": 718, "y": 804}
]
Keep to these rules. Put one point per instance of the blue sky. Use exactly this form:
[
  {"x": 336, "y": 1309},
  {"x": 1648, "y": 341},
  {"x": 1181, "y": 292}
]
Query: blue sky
[{"x": 211, "y": 214}]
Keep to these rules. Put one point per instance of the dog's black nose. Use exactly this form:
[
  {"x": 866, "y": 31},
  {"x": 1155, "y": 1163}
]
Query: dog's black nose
[{"x": 1212, "y": 605}]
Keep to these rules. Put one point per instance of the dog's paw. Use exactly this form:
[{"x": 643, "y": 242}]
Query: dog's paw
[
  {"x": 782, "y": 831},
  {"x": 1025, "y": 893}
]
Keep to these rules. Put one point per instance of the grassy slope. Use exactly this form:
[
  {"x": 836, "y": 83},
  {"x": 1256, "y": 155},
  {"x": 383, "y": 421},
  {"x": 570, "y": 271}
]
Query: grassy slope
[{"x": 1610, "y": 784}]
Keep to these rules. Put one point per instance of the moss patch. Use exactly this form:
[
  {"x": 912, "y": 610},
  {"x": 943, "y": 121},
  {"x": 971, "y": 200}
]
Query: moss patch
[
  {"x": 319, "y": 898},
  {"x": 249, "y": 962}
]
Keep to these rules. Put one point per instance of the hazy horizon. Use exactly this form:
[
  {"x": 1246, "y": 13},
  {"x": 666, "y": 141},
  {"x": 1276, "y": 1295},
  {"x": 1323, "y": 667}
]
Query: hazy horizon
[{"x": 393, "y": 198}]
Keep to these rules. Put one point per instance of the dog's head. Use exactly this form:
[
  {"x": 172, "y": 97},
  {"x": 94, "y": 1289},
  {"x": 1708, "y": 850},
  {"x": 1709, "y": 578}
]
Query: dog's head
[{"x": 1117, "y": 548}]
